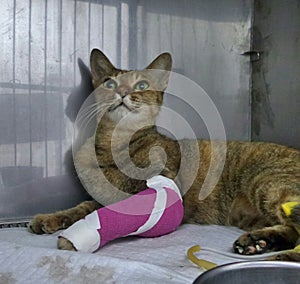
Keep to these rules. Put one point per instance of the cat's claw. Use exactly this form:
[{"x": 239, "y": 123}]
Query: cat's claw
[
  {"x": 268, "y": 239},
  {"x": 248, "y": 245}
]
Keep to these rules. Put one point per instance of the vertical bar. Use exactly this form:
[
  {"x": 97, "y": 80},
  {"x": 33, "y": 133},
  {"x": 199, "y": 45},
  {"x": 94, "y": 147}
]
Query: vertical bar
[
  {"x": 74, "y": 43},
  {"x": 171, "y": 33},
  {"x": 102, "y": 27},
  {"x": 29, "y": 82},
  {"x": 160, "y": 31},
  {"x": 89, "y": 28},
  {"x": 133, "y": 34},
  {"x": 141, "y": 38},
  {"x": 119, "y": 33},
  {"x": 45, "y": 87},
  {"x": 60, "y": 89},
  {"x": 252, "y": 111},
  {"x": 124, "y": 37},
  {"x": 14, "y": 81}
]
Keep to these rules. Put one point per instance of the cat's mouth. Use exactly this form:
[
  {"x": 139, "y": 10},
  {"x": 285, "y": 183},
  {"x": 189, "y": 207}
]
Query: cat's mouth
[{"x": 120, "y": 104}]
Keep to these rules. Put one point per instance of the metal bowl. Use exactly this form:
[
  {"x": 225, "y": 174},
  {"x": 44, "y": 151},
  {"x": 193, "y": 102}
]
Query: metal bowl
[{"x": 250, "y": 272}]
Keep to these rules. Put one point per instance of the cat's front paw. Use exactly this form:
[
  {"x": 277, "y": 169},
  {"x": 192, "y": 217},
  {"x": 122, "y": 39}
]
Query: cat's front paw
[
  {"x": 267, "y": 239},
  {"x": 48, "y": 223},
  {"x": 249, "y": 244},
  {"x": 65, "y": 244}
]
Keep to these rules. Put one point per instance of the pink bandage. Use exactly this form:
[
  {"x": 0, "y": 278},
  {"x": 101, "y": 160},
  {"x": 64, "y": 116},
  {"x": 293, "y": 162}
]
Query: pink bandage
[{"x": 156, "y": 211}]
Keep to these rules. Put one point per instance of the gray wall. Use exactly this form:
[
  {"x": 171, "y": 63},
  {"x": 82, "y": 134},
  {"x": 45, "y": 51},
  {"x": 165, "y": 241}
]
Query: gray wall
[
  {"x": 41, "y": 41},
  {"x": 276, "y": 78}
]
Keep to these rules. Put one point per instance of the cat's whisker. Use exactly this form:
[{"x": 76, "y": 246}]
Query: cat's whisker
[
  {"x": 87, "y": 109},
  {"x": 137, "y": 104},
  {"x": 87, "y": 114},
  {"x": 95, "y": 112},
  {"x": 90, "y": 108},
  {"x": 83, "y": 114}
]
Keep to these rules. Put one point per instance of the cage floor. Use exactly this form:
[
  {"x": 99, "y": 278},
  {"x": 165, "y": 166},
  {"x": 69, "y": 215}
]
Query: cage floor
[{"x": 29, "y": 258}]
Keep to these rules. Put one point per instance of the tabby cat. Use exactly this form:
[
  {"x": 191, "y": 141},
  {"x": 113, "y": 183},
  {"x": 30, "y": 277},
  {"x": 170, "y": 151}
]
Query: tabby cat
[{"x": 257, "y": 177}]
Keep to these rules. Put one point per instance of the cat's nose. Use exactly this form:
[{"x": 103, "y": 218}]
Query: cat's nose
[{"x": 123, "y": 91}]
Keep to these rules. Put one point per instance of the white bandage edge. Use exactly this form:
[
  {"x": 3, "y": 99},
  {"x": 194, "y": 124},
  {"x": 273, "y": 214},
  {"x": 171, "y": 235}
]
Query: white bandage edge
[
  {"x": 157, "y": 183},
  {"x": 83, "y": 234}
]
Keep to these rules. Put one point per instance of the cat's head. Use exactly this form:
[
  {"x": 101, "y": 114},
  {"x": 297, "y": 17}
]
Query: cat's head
[{"x": 138, "y": 92}]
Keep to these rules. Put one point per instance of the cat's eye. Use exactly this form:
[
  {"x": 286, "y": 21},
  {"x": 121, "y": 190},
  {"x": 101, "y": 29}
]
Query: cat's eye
[
  {"x": 141, "y": 85},
  {"x": 110, "y": 84}
]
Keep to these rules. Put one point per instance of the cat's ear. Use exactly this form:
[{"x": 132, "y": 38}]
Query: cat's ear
[
  {"x": 163, "y": 63},
  {"x": 101, "y": 67}
]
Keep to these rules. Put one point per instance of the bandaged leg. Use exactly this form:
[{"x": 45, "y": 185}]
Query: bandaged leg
[{"x": 156, "y": 211}]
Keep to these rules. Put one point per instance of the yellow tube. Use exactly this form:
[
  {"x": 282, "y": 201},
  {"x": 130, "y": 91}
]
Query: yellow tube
[{"x": 199, "y": 262}]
